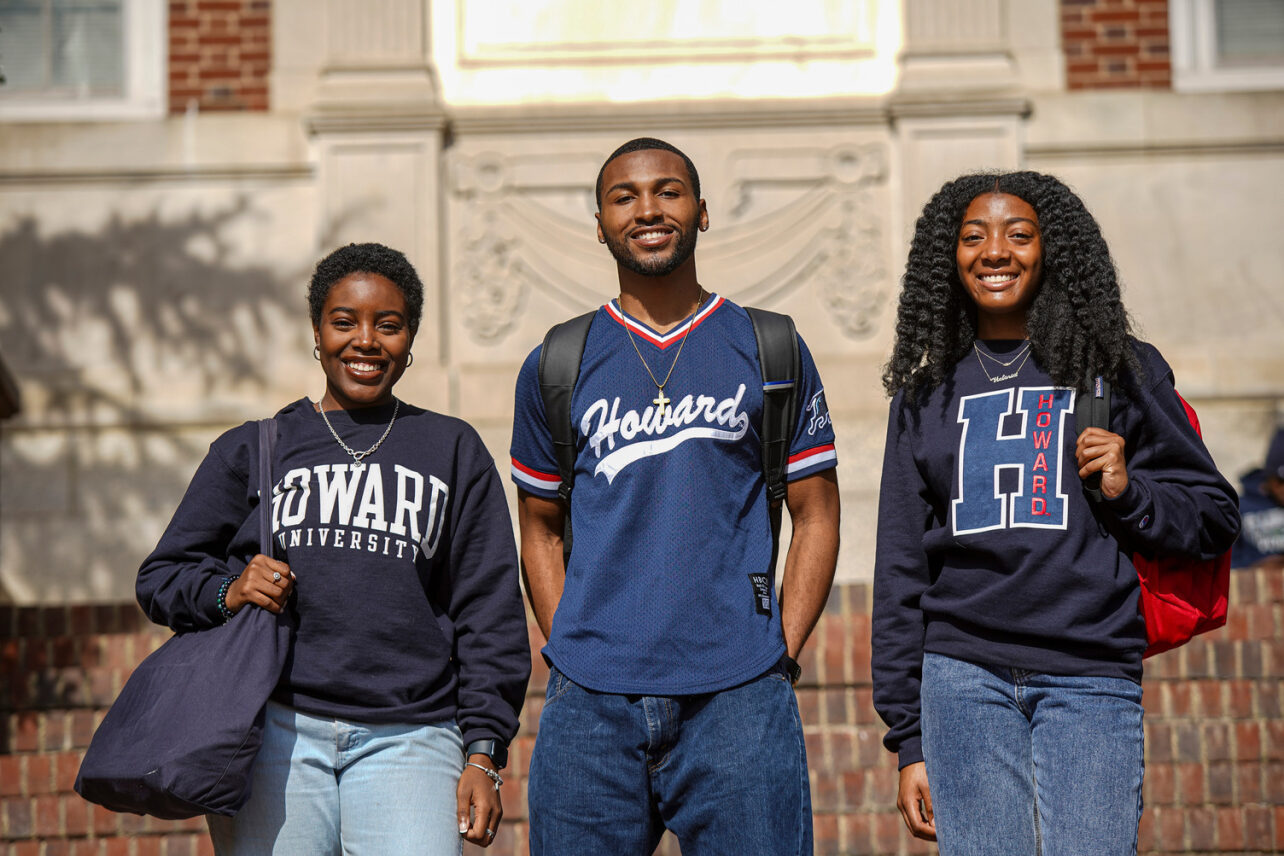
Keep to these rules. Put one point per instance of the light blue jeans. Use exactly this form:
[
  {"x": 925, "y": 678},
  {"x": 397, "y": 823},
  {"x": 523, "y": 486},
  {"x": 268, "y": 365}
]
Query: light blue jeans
[
  {"x": 1023, "y": 763},
  {"x": 725, "y": 771},
  {"x": 324, "y": 787}
]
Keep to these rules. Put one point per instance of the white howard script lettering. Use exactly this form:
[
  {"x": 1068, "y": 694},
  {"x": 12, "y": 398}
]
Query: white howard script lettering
[{"x": 602, "y": 423}]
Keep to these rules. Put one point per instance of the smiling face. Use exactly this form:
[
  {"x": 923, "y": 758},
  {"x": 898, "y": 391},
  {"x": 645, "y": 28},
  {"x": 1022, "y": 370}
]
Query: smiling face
[
  {"x": 364, "y": 340},
  {"x": 1000, "y": 262},
  {"x": 650, "y": 215}
]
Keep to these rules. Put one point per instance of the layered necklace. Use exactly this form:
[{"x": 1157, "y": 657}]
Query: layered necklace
[
  {"x": 661, "y": 401},
  {"x": 360, "y": 457},
  {"x": 1022, "y": 355}
]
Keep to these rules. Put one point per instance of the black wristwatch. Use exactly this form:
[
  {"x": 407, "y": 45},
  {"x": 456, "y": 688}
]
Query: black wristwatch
[
  {"x": 497, "y": 751},
  {"x": 792, "y": 669}
]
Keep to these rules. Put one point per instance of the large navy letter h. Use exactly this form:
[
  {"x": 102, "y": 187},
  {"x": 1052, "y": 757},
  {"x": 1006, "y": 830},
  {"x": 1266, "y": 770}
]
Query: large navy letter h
[{"x": 1034, "y": 453}]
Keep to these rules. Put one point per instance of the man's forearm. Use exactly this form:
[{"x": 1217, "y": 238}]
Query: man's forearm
[
  {"x": 544, "y": 575},
  {"x": 812, "y": 557},
  {"x": 541, "y": 523}
]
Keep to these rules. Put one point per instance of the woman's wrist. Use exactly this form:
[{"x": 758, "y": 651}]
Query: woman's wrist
[
  {"x": 485, "y": 767},
  {"x": 226, "y": 609}
]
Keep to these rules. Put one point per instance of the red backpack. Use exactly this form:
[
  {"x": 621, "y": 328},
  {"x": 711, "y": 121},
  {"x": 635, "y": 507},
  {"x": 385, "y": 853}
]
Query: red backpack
[{"x": 1180, "y": 597}]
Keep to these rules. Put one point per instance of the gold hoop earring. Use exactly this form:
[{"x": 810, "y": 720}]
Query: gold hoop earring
[
  {"x": 410, "y": 360},
  {"x": 316, "y": 353}
]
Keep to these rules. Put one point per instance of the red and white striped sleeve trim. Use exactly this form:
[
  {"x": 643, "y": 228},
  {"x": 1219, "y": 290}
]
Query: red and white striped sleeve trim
[
  {"x": 810, "y": 457},
  {"x": 527, "y": 477}
]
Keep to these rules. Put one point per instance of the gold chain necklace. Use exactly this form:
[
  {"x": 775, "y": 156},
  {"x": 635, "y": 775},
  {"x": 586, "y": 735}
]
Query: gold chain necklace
[
  {"x": 660, "y": 401},
  {"x": 1015, "y": 357}
]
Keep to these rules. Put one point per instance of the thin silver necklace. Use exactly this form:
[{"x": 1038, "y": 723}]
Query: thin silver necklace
[
  {"x": 360, "y": 457},
  {"x": 1015, "y": 357},
  {"x": 1002, "y": 377},
  {"x": 660, "y": 401}
]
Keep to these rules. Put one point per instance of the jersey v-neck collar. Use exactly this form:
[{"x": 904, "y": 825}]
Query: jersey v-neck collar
[{"x": 661, "y": 340}]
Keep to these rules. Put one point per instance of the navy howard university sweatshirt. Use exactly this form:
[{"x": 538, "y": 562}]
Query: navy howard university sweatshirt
[
  {"x": 990, "y": 552},
  {"x": 407, "y": 597}
]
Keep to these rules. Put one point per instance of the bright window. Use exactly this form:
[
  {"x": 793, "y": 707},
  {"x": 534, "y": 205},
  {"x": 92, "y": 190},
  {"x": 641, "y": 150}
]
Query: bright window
[
  {"x": 1225, "y": 45},
  {"x": 82, "y": 59}
]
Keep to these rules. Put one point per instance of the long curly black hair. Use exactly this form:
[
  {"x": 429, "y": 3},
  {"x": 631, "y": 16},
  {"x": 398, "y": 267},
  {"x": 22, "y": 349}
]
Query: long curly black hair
[{"x": 1076, "y": 323}]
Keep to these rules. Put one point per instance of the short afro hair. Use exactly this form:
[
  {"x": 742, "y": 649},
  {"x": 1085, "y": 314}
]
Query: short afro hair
[
  {"x": 367, "y": 258},
  {"x": 642, "y": 144}
]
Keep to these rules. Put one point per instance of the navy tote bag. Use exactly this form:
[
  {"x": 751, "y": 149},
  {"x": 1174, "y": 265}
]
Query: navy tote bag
[{"x": 181, "y": 737}]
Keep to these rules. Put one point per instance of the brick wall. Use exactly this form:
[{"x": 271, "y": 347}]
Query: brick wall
[
  {"x": 1214, "y": 735},
  {"x": 219, "y": 54},
  {"x": 1116, "y": 44}
]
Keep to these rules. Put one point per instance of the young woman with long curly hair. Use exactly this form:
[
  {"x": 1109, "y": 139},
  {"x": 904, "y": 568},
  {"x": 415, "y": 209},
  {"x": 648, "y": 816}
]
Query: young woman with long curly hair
[{"x": 1007, "y": 643}]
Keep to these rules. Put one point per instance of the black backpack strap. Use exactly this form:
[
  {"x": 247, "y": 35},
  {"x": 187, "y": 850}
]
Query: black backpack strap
[
  {"x": 781, "y": 366},
  {"x": 559, "y": 368},
  {"x": 267, "y": 448},
  {"x": 1092, "y": 410}
]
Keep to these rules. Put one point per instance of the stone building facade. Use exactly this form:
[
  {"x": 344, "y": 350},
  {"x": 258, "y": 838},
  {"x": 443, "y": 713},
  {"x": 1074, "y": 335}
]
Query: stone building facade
[
  {"x": 154, "y": 263},
  {"x": 156, "y": 240}
]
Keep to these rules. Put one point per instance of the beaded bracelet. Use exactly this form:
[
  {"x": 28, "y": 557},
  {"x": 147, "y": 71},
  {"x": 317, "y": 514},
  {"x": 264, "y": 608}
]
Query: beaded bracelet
[{"x": 222, "y": 598}]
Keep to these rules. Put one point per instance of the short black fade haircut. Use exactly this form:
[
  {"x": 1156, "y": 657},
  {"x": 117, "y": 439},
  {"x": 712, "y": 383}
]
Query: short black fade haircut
[
  {"x": 642, "y": 144},
  {"x": 367, "y": 258}
]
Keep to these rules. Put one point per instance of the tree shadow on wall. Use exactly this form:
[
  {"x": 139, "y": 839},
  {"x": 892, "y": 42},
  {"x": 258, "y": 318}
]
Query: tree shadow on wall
[
  {"x": 132, "y": 297},
  {"x": 172, "y": 281}
]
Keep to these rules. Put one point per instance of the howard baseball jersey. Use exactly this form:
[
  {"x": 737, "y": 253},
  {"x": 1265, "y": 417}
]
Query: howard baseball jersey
[{"x": 668, "y": 589}]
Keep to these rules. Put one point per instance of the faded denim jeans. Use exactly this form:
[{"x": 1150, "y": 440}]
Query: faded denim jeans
[
  {"x": 327, "y": 786},
  {"x": 1024, "y": 763}
]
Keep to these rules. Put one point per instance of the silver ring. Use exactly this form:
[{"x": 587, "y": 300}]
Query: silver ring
[
  {"x": 276, "y": 576},
  {"x": 490, "y": 833}
]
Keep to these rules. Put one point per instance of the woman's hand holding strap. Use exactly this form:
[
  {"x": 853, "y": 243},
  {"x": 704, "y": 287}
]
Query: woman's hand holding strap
[
  {"x": 265, "y": 583},
  {"x": 1100, "y": 451}
]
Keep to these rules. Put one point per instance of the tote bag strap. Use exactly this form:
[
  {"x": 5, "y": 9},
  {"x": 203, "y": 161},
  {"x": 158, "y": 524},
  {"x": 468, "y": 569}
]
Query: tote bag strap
[{"x": 267, "y": 445}]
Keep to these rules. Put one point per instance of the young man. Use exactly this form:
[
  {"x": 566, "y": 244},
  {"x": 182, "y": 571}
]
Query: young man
[{"x": 669, "y": 698}]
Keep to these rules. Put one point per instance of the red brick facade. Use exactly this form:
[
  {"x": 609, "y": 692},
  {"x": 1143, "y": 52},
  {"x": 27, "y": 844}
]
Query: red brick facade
[
  {"x": 1214, "y": 735},
  {"x": 1116, "y": 44},
  {"x": 220, "y": 52}
]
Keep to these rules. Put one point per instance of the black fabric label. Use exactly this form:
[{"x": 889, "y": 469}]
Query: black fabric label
[{"x": 761, "y": 593}]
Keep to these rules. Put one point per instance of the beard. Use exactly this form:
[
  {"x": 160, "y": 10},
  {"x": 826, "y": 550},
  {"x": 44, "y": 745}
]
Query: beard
[{"x": 653, "y": 264}]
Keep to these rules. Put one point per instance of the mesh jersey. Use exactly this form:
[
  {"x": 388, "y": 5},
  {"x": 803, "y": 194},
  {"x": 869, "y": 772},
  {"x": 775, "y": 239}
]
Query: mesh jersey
[{"x": 664, "y": 592}]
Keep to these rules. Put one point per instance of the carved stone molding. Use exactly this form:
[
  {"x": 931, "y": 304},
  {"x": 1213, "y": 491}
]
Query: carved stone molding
[
  {"x": 853, "y": 282},
  {"x": 758, "y": 114},
  {"x": 491, "y": 278},
  {"x": 837, "y": 229},
  {"x": 514, "y": 241},
  {"x": 805, "y": 226}
]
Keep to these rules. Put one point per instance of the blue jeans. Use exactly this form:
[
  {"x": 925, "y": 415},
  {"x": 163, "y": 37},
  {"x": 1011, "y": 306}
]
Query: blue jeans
[
  {"x": 324, "y": 787},
  {"x": 1023, "y": 763},
  {"x": 725, "y": 771}
]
